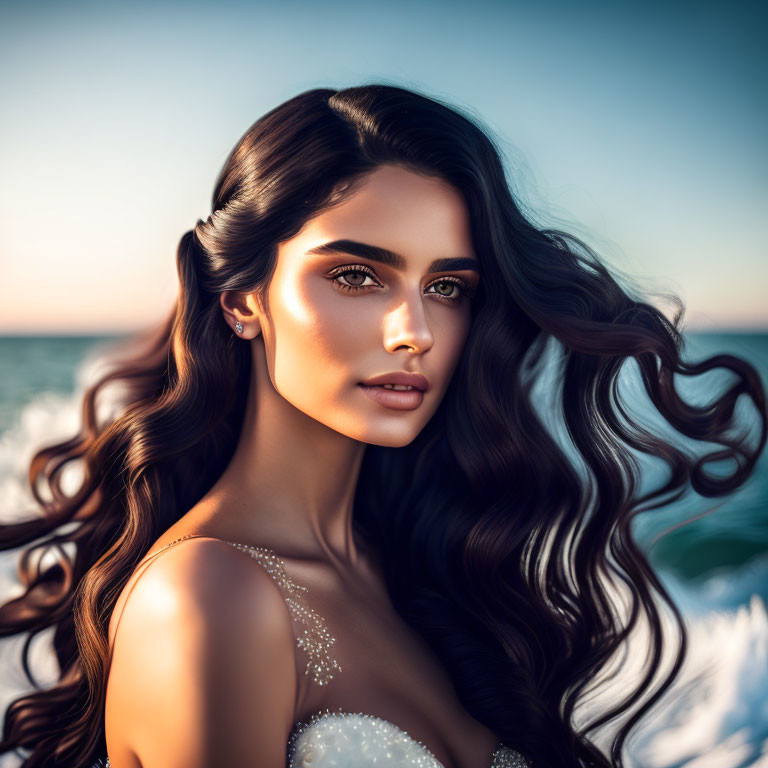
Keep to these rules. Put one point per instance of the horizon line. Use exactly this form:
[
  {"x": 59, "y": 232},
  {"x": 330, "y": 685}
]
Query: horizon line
[{"x": 85, "y": 334}]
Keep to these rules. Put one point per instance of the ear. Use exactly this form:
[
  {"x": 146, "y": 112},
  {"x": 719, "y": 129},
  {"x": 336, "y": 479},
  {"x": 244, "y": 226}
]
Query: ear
[{"x": 243, "y": 308}]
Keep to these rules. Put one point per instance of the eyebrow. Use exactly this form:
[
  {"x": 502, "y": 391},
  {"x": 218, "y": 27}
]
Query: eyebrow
[{"x": 390, "y": 258}]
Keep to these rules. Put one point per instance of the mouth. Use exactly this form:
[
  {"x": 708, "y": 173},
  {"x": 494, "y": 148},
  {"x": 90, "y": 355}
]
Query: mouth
[
  {"x": 395, "y": 397},
  {"x": 402, "y": 381}
]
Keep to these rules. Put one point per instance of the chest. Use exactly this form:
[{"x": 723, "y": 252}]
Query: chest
[{"x": 382, "y": 667}]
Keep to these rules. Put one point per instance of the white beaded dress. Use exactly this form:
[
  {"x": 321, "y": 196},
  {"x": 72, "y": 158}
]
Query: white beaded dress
[{"x": 336, "y": 738}]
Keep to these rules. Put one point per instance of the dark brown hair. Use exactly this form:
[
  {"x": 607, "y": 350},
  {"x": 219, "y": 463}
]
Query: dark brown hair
[{"x": 499, "y": 547}]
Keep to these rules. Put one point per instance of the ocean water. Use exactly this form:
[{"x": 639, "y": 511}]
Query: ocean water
[{"x": 715, "y": 567}]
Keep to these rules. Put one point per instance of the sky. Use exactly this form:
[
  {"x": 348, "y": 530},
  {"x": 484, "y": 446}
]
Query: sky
[{"x": 641, "y": 129}]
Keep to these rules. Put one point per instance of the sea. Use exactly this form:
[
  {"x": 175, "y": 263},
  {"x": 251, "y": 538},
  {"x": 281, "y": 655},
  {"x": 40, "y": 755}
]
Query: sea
[{"x": 715, "y": 565}]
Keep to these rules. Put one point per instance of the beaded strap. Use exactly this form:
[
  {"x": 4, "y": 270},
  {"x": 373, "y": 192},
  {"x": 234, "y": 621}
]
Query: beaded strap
[{"x": 315, "y": 639}]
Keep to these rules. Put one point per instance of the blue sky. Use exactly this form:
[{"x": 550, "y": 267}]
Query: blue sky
[{"x": 639, "y": 128}]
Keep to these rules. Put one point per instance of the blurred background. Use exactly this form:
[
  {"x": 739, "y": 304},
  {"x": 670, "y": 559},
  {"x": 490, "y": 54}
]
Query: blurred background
[{"x": 639, "y": 128}]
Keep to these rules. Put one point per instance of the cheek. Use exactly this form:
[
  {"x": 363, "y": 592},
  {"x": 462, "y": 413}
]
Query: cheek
[
  {"x": 318, "y": 338},
  {"x": 451, "y": 337}
]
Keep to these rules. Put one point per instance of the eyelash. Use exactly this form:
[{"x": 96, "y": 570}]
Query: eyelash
[{"x": 359, "y": 268}]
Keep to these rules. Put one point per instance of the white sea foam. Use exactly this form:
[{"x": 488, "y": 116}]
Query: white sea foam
[{"x": 716, "y": 713}]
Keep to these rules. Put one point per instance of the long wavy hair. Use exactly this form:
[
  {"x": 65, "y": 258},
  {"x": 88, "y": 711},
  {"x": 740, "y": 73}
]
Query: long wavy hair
[{"x": 500, "y": 545}]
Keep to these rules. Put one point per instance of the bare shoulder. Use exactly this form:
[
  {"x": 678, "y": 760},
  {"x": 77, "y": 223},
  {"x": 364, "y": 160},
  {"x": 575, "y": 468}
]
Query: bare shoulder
[{"x": 203, "y": 671}]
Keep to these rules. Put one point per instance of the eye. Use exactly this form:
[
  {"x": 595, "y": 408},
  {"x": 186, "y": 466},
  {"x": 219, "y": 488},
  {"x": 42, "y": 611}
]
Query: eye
[
  {"x": 358, "y": 271},
  {"x": 450, "y": 282},
  {"x": 361, "y": 271}
]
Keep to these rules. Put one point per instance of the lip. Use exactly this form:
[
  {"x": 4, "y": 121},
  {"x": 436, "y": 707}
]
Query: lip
[
  {"x": 398, "y": 400},
  {"x": 415, "y": 380}
]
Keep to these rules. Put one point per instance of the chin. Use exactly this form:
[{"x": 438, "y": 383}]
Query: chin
[{"x": 391, "y": 440}]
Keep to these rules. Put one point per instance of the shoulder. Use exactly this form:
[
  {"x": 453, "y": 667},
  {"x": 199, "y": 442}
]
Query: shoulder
[
  {"x": 206, "y": 635},
  {"x": 199, "y": 572},
  {"x": 203, "y": 577}
]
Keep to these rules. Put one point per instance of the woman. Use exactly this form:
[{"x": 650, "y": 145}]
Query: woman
[{"x": 280, "y": 558}]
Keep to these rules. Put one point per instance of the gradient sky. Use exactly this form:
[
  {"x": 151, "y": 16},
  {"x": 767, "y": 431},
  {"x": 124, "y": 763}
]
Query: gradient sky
[{"x": 642, "y": 130}]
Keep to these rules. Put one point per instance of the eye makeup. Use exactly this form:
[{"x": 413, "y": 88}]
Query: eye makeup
[{"x": 465, "y": 290}]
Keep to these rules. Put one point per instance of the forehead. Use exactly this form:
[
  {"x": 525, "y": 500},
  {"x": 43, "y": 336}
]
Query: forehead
[{"x": 420, "y": 217}]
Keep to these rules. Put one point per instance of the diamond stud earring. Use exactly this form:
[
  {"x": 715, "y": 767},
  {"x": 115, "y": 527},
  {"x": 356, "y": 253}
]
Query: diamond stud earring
[{"x": 238, "y": 326}]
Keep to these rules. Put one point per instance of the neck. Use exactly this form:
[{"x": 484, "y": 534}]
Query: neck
[{"x": 291, "y": 482}]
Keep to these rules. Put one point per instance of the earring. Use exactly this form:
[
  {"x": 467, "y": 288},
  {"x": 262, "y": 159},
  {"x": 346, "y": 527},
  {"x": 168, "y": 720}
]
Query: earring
[{"x": 238, "y": 326}]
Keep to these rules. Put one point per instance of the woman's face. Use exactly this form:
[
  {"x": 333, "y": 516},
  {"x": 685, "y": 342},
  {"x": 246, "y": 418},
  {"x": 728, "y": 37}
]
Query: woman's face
[{"x": 339, "y": 316}]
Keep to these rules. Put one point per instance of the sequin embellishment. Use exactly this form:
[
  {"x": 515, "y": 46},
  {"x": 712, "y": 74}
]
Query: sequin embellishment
[
  {"x": 315, "y": 639},
  {"x": 355, "y": 739},
  {"x": 506, "y": 757}
]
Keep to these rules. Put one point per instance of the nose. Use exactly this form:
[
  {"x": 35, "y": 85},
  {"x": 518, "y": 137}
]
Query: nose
[{"x": 408, "y": 325}]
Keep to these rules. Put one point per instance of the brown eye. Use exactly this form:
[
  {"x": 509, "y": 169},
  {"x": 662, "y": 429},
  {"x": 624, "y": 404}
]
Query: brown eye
[
  {"x": 357, "y": 277},
  {"x": 353, "y": 277}
]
